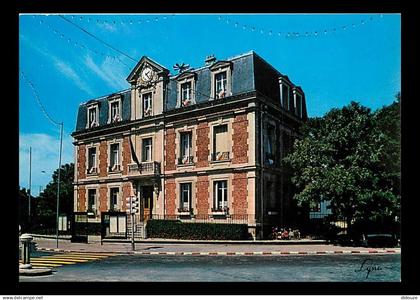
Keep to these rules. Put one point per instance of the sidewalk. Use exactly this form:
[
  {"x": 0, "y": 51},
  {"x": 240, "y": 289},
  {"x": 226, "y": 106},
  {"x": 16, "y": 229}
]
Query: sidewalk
[{"x": 170, "y": 247}]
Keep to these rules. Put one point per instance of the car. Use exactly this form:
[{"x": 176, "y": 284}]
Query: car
[{"x": 379, "y": 240}]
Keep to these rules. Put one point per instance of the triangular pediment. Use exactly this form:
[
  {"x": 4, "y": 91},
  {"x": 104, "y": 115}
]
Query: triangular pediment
[
  {"x": 220, "y": 64},
  {"x": 186, "y": 74},
  {"x": 145, "y": 61}
]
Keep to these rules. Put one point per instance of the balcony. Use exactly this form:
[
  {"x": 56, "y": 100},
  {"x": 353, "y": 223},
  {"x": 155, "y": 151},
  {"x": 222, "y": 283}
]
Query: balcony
[
  {"x": 220, "y": 156},
  {"x": 144, "y": 168},
  {"x": 186, "y": 160}
]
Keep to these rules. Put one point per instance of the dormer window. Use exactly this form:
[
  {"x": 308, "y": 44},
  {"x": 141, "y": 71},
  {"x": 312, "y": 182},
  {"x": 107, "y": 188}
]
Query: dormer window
[
  {"x": 298, "y": 104},
  {"x": 186, "y": 93},
  {"x": 186, "y": 88},
  {"x": 115, "y": 111},
  {"x": 285, "y": 96},
  {"x": 147, "y": 104},
  {"x": 221, "y": 80},
  {"x": 220, "y": 85},
  {"x": 92, "y": 118}
]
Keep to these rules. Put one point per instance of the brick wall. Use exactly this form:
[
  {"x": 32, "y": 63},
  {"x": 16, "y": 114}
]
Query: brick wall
[
  {"x": 240, "y": 139},
  {"x": 203, "y": 145},
  {"x": 81, "y": 199},
  {"x": 240, "y": 193},
  {"x": 170, "y": 150},
  {"x": 103, "y": 159},
  {"x": 126, "y": 192},
  {"x": 170, "y": 196},
  {"x": 103, "y": 198},
  {"x": 202, "y": 195},
  {"x": 81, "y": 162},
  {"x": 126, "y": 155}
]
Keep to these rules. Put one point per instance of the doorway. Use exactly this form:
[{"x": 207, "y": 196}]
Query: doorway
[{"x": 147, "y": 199}]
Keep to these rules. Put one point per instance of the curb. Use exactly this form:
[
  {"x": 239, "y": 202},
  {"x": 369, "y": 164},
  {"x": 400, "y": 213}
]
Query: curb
[
  {"x": 81, "y": 251},
  {"x": 272, "y": 253},
  {"x": 256, "y": 253}
]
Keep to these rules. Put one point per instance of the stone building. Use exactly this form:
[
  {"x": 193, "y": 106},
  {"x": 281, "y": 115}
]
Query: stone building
[{"x": 204, "y": 145}]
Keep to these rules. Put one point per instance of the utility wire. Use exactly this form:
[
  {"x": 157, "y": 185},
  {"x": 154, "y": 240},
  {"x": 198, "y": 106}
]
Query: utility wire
[
  {"x": 95, "y": 37},
  {"x": 39, "y": 101}
]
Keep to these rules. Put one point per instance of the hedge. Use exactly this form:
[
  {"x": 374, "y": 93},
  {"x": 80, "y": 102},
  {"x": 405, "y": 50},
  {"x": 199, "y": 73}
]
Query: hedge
[{"x": 175, "y": 229}]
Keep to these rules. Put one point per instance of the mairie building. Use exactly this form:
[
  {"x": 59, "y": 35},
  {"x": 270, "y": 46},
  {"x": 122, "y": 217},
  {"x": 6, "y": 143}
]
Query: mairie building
[{"x": 203, "y": 145}]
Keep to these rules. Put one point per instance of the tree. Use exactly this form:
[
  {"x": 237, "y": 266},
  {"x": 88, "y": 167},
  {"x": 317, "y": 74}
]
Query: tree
[
  {"x": 343, "y": 157},
  {"x": 47, "y": 202}
]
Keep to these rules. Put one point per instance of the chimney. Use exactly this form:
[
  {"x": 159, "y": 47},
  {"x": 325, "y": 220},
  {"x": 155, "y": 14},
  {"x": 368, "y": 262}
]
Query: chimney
[{"x": 210, "y": 59}]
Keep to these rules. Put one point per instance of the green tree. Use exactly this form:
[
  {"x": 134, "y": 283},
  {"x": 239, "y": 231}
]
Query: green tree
[
  {"x": 47, "y": 202},
  {"x": 343, "y": 157}
]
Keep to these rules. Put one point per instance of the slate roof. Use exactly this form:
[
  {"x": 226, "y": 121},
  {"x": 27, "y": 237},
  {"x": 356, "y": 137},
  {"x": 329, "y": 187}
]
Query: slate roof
[{"x": 250, "y": 72}]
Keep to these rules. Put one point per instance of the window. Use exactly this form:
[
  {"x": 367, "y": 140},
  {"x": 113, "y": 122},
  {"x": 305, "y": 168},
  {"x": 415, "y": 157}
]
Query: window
[
  {"x": 147, "y": 149},
  {"x": 270, "y": 150},
  {"x": 220, "y": 143},
  {"x": 285, "y": 95},
  {"x": 186, "y": 91},
  {"x": 185, "y": 148},
  {"x": 299, "y": 105},
  {"x": 220, "y": 85},
  {"x": 92, "y": 117},
  {"x": 114, "y": 195},
  {"x": 147, "y": 104},
  {"x": 91, "y": 160},
  {"x": 220, "y": 196},
  {"x": 92, "y": 201},
  {"x": 115, "y": 111},
  {"x": 185, "y": 201},
  {"x": 114, "y": 157}
]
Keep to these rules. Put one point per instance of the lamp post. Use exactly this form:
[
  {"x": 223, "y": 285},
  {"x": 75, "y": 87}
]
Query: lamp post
[
  {"x": 58, "y": 180},
  {"x": 30, "y": 184}
]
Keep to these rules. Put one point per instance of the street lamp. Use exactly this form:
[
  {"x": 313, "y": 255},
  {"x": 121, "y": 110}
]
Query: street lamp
[{"x": 58, "y": 181}]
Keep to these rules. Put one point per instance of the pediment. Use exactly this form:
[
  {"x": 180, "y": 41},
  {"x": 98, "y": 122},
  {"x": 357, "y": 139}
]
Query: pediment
[
  {"x": 146, "y": 61},
  {"x": 185, "y": 75},
  {"x": 220, "y": 64}
]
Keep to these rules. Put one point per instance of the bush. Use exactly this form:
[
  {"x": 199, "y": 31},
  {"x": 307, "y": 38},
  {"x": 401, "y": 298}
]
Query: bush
[{"x": 175, "y": 229}]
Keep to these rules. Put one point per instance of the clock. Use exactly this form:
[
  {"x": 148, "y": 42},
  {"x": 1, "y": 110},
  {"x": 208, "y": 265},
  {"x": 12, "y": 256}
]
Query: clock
[{"x": 147, "y": 74}]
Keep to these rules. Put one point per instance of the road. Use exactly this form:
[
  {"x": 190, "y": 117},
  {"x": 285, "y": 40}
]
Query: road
[{"x": 164, "y": 268}]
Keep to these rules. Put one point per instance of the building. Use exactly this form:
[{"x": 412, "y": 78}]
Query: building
[{"x": 203, "y": 145}]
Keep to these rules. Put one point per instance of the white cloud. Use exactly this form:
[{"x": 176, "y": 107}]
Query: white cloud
[
  {"x": 45, "y": 156},
  {"x": 110, "y": 71},
  {"x": 69, "y": 72},
  {"x": 64, "y": 68}
]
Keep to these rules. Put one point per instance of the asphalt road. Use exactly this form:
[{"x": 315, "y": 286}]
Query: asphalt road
[{"x": 143, "y": 268}]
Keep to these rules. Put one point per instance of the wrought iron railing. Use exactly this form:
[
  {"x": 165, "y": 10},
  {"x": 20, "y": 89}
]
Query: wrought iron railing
[
  {"x": 146, "y": 168},
  {"x": 186, "y": 160},
  {"x": 219, "y": 156}
]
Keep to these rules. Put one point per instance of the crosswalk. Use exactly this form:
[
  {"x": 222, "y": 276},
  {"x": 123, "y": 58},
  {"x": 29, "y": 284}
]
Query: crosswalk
[{"x": 64, "y": 259}]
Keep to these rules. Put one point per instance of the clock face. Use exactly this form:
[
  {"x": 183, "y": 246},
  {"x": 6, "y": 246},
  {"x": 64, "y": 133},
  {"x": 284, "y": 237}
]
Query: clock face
[{"x": 147, "y": 74}]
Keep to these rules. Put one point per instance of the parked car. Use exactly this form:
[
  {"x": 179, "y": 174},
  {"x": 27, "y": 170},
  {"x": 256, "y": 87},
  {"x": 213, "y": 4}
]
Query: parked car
[{"x": 379, "y": 240}]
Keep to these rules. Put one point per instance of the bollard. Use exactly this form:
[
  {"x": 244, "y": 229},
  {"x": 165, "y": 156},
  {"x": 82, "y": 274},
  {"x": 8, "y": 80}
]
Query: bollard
[{"x": 26, "y": 240}]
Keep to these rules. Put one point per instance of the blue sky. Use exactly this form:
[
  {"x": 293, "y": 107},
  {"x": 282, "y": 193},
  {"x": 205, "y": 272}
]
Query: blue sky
[{"x": 335, "y": 58}]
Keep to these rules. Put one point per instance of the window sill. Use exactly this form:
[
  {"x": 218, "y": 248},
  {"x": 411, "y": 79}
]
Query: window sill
[
  {"x": 185, "y": 165},
  {"x": 220, "y": 161},
  {"x": 219, "y": 213},
  {"x": 92, "y": 174}
]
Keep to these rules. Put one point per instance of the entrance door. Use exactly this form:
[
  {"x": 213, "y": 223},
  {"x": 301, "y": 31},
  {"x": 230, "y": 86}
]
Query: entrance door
[{"x": 147, "y": 193}]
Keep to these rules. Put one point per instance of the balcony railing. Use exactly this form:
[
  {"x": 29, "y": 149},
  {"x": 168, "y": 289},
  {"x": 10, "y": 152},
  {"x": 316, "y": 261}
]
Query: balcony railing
[
  {"x": 220, "y": 156},
  {"x": 186, "y": 160},
  {"x": 92, "y": 171},
  {"x": 114, "y": 168},
  {"x": 144, "y": 168}
]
